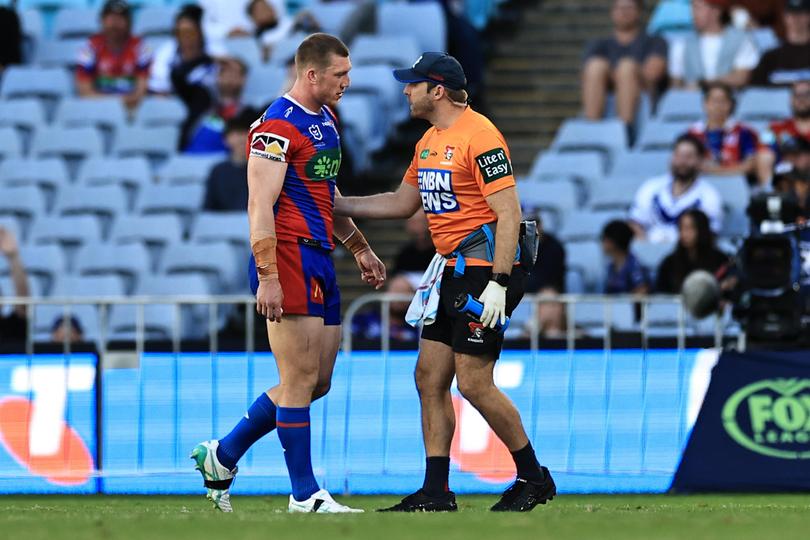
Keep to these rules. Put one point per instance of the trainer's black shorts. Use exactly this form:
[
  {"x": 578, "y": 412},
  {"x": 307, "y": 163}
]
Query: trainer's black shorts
[{"x": 461, "y": 331}]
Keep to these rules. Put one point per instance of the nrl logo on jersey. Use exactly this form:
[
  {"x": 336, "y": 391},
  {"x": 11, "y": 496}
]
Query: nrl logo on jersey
[
  {"x": 269, "y": 146},
  {"x": 436, "y": 189},
  {"x": 315, "y": 131}
]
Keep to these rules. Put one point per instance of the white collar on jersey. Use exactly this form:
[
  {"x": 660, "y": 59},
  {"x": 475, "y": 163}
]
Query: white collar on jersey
[{"x": 290, "y": 98}]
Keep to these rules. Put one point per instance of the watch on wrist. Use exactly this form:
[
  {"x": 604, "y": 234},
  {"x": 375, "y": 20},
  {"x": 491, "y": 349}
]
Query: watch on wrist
[{"x": 500, "y": 278}]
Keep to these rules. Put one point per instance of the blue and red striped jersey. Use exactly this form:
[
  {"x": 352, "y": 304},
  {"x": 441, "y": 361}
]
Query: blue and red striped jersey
[{"x": 310, "y": 145}]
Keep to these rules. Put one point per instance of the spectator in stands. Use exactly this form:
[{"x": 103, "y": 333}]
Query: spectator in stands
[
  {"x": 629, "y": 62},
  {"x": 184, "y": 66},
  {"x": 715, "y": 52},
  {"x": 783, "y": 135},
  {"x": 625, "y": 274},
  {"x": 548, "y": 277},
  {"x": 67, "y": 328},
  {"x": 11, "y": 38},
  {"x": 415, "y": 256},
  {"x": 731, "y": 146},
  {"x": 14, "y": 327},
  {"x": 114, "y": 61},
  {"x": 226, "y": 188},
  {"x": 795, "y": 180},
  {"x": 272, "y": 23},
  {"x": 368, "y": 325},
  {"x": 790, "y": 62},
  {"x": 660, "y": 201},
  {"x": 759, "y": 14},
  {"x": 205, "y": 131},
  {"x": 226, "y": 19},
  {"x": 696, "y": 250}
]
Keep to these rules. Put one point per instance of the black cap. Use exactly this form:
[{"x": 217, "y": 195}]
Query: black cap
[
  {"x": 435, "y": 67},
  {"x": 797, "y": 5},
  {"x": 118, "y": 7}
]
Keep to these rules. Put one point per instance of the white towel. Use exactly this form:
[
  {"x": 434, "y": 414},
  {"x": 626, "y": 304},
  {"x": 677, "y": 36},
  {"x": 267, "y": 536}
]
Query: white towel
[{"x": 425, "y": 302}]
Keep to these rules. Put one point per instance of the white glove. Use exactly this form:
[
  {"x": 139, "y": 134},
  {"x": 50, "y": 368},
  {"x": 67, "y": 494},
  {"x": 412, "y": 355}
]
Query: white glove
[{"x": 494, "y": 300}]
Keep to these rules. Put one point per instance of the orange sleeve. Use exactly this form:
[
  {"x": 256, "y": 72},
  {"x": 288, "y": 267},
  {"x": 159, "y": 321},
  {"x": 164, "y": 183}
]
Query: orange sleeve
[{"x": 490, "y": 163}]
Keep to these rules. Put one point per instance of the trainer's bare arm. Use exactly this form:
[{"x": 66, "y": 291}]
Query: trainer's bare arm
[
  {"x": 401, "y": 203},
  {"x": 265, "y": 180},
  {"x": 506, "y": 205},
  {"x": 372, "y": 269}
]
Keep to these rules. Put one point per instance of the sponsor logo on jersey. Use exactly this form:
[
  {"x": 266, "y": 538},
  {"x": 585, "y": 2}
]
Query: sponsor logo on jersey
[
  {"x": 448, "y": 152},
  {"x": 436, "y": 187},
  {"x": 315, "y": 131},
  {"x": 288, "y": 112},
  {"x": 269, "y": 146},
  {"x": 476, "y": 332},
  {"x": 425, "y": 153},
  {"x": 324, "y": 165},
  {"x": 493, "y": 165}
]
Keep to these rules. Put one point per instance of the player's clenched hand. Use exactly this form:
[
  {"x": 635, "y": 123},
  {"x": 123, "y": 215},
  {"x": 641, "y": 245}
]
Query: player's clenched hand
[
  {"x": 494, "y": 300},
  {"x": 372, "y": 269},
  {"x": 269, "y": 298}
]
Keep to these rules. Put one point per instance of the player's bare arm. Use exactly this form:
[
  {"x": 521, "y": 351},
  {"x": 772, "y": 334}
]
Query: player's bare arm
[
  {"x": 265, "y": 180},
  {"x": 401, "y": 203},
  {"x": 372, "y": 269},
  {"x": 506, "y": 206}
]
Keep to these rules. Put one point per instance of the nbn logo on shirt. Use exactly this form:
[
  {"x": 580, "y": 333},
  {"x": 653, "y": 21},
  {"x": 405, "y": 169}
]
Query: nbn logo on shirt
[{"x": 436, "y": 188}]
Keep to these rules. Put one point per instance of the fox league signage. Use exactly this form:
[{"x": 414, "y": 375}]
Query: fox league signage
[{"x": 753, "y": 431}]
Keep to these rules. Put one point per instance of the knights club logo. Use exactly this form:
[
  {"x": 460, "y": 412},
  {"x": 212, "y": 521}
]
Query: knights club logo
[
  {"x": 448, "y": 152},
  {"x": 476, "y": 332}
]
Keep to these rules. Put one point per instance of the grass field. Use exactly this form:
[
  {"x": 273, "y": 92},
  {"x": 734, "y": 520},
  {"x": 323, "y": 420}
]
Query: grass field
[{"x": 738, "y": 517}]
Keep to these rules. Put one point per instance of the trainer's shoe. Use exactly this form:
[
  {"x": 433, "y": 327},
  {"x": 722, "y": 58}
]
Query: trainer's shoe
[
  {"x": 524, "y": 495},
  {"x": 422, "y": 502},
  {"x": 320, "y": 503},
  {"x": 216, "y": 478}
]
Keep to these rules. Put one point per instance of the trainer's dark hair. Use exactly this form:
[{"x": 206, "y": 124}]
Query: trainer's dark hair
[
  {"x": 459, "y": 96},
  {"x": 316, "y": 50},
  {"x": 618, "y": 232},
  {"x": 723, "y": 87},
  {"x": 688, "y": 138}
]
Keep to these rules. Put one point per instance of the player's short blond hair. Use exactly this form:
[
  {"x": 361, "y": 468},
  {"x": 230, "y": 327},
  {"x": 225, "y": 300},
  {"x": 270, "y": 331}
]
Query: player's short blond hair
[{"x": 317, "y": 49}]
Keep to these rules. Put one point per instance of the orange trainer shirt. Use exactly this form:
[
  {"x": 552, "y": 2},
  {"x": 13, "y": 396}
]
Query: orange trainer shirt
[{"x": 454, "y": 170}]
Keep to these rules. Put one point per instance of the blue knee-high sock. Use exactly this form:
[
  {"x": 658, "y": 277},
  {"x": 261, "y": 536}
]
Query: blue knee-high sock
[
  {"x": 294, "y": 434},
  {"x": 259, "y": 420}
]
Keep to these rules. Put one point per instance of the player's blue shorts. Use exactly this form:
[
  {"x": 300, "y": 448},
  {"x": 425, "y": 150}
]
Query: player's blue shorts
[{"x": 308, "y": 281}]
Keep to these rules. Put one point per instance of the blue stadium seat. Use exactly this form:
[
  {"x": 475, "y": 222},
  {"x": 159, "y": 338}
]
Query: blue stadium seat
[
  {"x": 7, "y": 288},
  {"x": 33, "y": 26},
  {"x": 45, "y": 263},
  {"x": 158, "y": 322},
  {"x": 764, "y": 104},
  {"x": 158, "y": 230},
  {"x": 65, "y": 230},
  {"x": 131, "y": 172},
  {"x": 581, "y": 225},
  {"x": 679, "y": 105},
  {"x": 576, "y": 134},
  {"x": 154, "y": 20},
  {"x": 9, "y": 223},
  {"x": 97, "y": 286},
  {"x": 585, "y": 167},
  {"x": 62, "y": 53},
  {"x": 736, "y": 224},
  {"x": 614, "y": 193},
  {"x": 659, "y": 135},
  {"x": 155, "y": 143},
  {"x": 662, "y": 318},
  {"x": 394, "y": 51},
  {"x": 263, "y": 85},
  {"x": 160, "y": 111},
  {"x": 69, "y": 143},
  {"x": 640, "y": 165},
  {"x": 216, "y": 261},
  {"x": 670, "y": 15},
  {"x": 186, "y": 169},
  {"x": 23, "y": 203},
  {"x": 215, "y": 226},
  {"x": 359, "y": 133},
  {"x": 10, "y": 143},
  {"x": 194, "y": 317},
  {"x": 650, "y": 254},
  {"x": 106, "y": 202},
  {"x": 377, "y": 81},
  {"x": 106, "y": 112},
  {"x": 128, "y": 261},
  {"x": 586, "y": 258},
  {"x": 28, "y": 81},
  {"x": 246, "y": 49},
  {"x": 561, "y": 196},
  {"x": 46, "y": 315},
  {"x": 574, "y": 281},
  {"x": 423, "y": 20},
  {"x": 734, "y": 191},
  {"x": 26, "y": 113},
  {"x": 764, "y": 38},
  {"x": 595, "y": 317},
  {"x": 337, "y": 17},
  {"x": 284, "y": 51},
  {"x": 50, "y": 4},
  {"x": 183, "y": 200},
  {"x": 75, "y": 22}
]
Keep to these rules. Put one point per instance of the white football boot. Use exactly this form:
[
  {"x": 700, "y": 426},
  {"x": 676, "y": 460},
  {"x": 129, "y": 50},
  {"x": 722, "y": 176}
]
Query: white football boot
[
  {"x": 320, "y": 503},
  {"x": 216, "y": 478}
]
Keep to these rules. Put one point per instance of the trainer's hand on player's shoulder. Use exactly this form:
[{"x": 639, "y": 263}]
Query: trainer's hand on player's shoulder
[
  {"x": 372, "y": 269},
  {"x": 494, "y": 300},
  {"x": 269, "y": 298}
]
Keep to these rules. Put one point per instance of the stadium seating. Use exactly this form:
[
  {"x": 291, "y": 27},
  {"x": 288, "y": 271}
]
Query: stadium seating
[
  {"x": 650, "y": 254},
  {"x": 24, "y": 203},
  {"x": 641, "y": 165},
  {"x": 71, "y": 230},
  {"x": 423, "y": 20},
  {"x": 586, "y": 259},
  {"x": 607, "y": 136},
  {"x": 586, "y": 167},
  {"x": 27, "y": 113},
  {"x": 131, "y": 172},
  {"x": 596, "y": 317},
  {"x": 45, "y": 263},
  {"x": 246, "y": 49},
  {"x": 394, "y": 51},
  {"x": 159, "y": 230},
  {"x": 160, "y": 111},
  {"x": 61, "y": 53},
  {"x": 129, "y": 261},
  {"x": 155, "y": 20},
  {"x": 734, "y": 191},
  {"x": 69, "y": 143},
  {"x": 10, "y": 144},
  {"x": 30, "y": 81},
  {"x": 106, "y": 112},
  {"x": 614, "y": 193},
  {"x": 67, "y": 286},
  {"x": 105, "y": 202},
  {"x": 560, "y": 196},
  {"x": 215, "y": 261},
  {"x": 154, "y": 143},
  {"x": 680, "y": 106},
  {"x": 337, "y": 17},
  {"x": 758, "y": 104},
  {"x": 658, "y": 135},
  {"x": 187, "y": 169},
  {"x": 183, "y": 200},
  {"x": 46, "y": 315},
  {"x": 377, "y": 81},
  {"x": 215, "y": 226},
  {"x": 586, "y": 224},
  {"x": 264, "y": 85},
  {"x": 75, "y": 22}
]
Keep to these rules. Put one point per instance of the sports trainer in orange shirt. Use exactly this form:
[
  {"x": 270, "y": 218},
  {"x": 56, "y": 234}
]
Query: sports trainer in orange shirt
[{"x": 461, "y": 176}]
